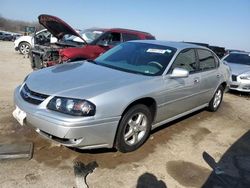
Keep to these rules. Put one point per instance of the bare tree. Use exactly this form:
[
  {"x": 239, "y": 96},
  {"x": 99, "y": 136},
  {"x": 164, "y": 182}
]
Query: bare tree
[{"x": 17, "y": 26}]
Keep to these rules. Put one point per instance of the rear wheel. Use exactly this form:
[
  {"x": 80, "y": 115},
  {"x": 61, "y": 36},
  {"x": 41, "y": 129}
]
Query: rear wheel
[
  {"x": 134, "y": 128},
  {"x": 24, "y": 48},
  {"x": 215, "y": 102}
]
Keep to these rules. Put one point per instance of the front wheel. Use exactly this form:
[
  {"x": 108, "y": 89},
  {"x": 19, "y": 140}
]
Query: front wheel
[
  {"x": 134, "y": 128},
  {"x": 24, "y": 48},
  {"x": 215, "y": 102}
]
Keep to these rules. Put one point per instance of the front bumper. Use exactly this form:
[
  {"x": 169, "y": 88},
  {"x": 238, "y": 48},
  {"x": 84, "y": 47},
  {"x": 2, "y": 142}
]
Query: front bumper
[
  {"x": 16, "y": 45},
  {"x": 80, "y": 132},
  {"x": 243, "y": 86}
]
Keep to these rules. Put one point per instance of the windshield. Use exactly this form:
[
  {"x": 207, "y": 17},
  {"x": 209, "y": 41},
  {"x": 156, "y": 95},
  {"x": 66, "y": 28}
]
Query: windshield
[
  {"x": 139, "y": 58},
  {"x": 238, "y": 58},
  {"x": 87, "y": 35},
  {"x": 90, "y": 35}
]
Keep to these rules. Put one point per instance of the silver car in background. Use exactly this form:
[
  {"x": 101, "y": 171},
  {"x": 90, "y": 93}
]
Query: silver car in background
[
  {"x": 116, "y": 100},
  {"x": 239, "y": 62}
]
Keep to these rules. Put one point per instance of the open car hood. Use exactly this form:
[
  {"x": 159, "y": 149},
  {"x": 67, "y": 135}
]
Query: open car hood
[{"x": 57, "y": 27}]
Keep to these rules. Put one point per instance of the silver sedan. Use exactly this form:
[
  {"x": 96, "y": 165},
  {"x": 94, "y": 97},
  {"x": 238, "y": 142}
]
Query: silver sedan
[
  {"x": 239, "y": 62},
  {"x": 116, "y": 100}
]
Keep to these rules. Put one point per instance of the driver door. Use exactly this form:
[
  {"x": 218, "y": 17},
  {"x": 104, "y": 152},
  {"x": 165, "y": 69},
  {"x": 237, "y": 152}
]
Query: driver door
[{"x": 181, "y": 94}]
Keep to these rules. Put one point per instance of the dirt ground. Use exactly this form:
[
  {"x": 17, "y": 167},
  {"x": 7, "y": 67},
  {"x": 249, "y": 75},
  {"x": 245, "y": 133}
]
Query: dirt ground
[{"x": 172, "y": 157}]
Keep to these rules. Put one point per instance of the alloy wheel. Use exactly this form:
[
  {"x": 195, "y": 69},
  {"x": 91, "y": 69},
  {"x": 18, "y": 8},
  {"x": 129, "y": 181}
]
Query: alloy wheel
[
  {"x": 135, "y": 129},
  {"x": 217, "y": 98},
  {"x": 24, "y": 48}
]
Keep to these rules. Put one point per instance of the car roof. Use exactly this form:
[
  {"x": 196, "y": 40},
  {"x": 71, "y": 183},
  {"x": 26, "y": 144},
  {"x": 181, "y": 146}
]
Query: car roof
[
  {"x": 119, "y": 30},
  {"x": 243, "y": 53},
  {"x": 128, "y": 30},
  {"x": 177, "y": 45}
]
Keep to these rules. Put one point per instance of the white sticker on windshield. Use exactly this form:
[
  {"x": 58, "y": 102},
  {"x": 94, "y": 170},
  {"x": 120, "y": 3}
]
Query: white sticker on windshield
[
  {"x": 168, "y": 51},
  {"x": 159, "y": 51}
]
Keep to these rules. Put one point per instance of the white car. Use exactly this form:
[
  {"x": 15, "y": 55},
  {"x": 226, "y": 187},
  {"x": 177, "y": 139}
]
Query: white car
[
  {"x": 24, "y": 43},
  {"x": 239, "y": 62}
]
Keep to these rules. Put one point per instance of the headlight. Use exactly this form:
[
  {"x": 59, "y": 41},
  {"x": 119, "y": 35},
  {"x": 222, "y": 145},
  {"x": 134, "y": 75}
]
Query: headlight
[
  {"x": 75, "y": 107},
  {"x": 245, "y": 77}
]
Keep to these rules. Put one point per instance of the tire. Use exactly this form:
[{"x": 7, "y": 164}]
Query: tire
[
  {"x": 24, "y": 48},
  {"x": 215, "y": 102},
  {"x": 137, "y": 133}
]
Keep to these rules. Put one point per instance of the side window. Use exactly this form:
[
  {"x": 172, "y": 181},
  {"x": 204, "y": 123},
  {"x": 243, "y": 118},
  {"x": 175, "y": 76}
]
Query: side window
[
  {"x": 128, "y": 37},
  {"x": 113, "y": 38},
  {"x": 187, "y": 60},
  {"x": 206, "y": 60}
]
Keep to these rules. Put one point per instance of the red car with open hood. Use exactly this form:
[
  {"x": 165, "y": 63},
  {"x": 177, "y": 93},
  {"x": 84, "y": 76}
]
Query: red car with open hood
[{"x": 73, "y": 45}]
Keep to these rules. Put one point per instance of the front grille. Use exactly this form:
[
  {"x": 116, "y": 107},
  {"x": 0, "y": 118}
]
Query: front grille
[
  {"x": 234, "y": 78},
  {"x": 234, "y": 86},
  {"x": 31, "y": 96}
]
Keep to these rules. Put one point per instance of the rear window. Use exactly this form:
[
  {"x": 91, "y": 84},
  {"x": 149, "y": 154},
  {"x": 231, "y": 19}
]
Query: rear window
[
  {"x": 128, "y": 37},
  {"x": 238, "y": 58}
]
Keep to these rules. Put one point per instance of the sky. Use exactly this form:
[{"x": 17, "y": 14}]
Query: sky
[{"x": 216, "y": 22}]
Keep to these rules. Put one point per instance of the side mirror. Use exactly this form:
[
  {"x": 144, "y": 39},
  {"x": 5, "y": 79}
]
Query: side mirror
[
  {"x": 179, "y": 73},
  {"x": 103, "y": 43}
]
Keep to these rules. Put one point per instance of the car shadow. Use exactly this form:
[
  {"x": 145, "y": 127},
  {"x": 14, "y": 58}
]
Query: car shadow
[
  {"x": 148, "y": 180},
  {"x": 240, "y": 94},
  {"x": 233, "y": 169},
  {"x": 94, "y": 151}
]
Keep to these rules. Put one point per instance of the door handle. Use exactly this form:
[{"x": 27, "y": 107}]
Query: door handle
[
  {"x": 218, "y": 75},
  {"x": 196, "y": 80}
]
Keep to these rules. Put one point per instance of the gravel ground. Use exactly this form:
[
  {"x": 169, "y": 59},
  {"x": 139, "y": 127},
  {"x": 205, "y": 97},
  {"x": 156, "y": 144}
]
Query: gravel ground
[{"x": 172, "y": 157}]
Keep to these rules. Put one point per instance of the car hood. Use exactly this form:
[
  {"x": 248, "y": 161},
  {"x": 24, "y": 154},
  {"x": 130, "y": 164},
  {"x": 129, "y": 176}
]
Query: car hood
[
  {"x": 57, "y": 27},
  {"x": 238, "y": 69},
  {"x": 80, "y": 80}
]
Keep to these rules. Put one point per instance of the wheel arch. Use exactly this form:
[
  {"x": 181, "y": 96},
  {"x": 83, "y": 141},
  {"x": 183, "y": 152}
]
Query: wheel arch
[
  {"x": 23, "y": 41},
  {"x": 147, "y": 101},
  {"x": 224, "y": 85}
]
